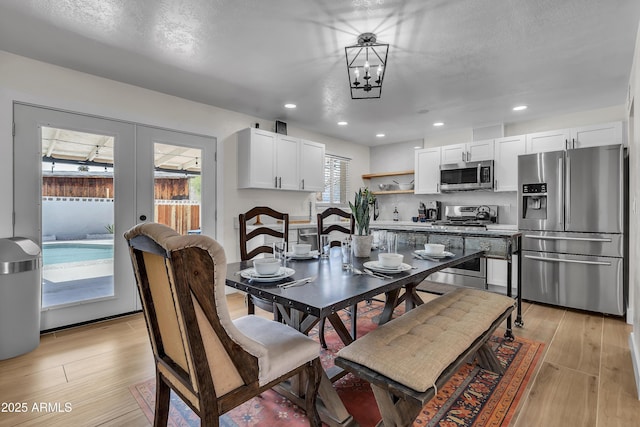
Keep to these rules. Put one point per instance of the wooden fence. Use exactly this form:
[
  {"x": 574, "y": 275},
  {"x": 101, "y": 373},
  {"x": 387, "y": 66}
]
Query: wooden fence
[{"x": 183, "y": 217}]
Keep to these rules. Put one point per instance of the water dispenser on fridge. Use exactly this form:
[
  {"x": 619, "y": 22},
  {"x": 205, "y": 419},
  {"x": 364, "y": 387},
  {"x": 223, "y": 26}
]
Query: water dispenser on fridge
[{"x": 534, "y": 201}]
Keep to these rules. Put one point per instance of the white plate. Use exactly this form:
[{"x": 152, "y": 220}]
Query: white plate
[
  {"x": 445, "y": 254},
  {"x": 250, "y": 273},
  {"x": 375, "y": 266},
  {"x": 310, "y": 255}
]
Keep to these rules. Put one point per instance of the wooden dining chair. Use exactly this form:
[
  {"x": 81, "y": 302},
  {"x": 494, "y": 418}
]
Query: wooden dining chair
[
  {"x": 212, "y": 362},
  {"x": 326, "y": 229},
  {"x": 259, "y": 213},
  {"x": 323, "y": 228}
]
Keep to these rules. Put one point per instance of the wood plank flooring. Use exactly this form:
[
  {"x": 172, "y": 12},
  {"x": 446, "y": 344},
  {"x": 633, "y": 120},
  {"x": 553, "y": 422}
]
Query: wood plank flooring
[{"x": 585, "y": 377}]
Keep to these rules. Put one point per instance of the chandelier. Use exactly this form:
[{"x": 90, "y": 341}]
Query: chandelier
[{"x": 366, "y": 65}]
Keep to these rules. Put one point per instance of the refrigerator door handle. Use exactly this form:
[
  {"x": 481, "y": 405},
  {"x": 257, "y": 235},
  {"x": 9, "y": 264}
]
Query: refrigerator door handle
[
  {"x": 570, "y": 261},
  {"x": 580, "y": 239},
  {"x": 567, "y": 219},
  {"x": 561, "y": 192}
]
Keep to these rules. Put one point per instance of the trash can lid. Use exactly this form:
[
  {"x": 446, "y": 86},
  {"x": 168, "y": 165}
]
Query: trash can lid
[{"x": 14, "y": 249}]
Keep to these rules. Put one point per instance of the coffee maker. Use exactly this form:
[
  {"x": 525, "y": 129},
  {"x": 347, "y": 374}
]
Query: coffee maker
[{"x": 433, "y": 210}]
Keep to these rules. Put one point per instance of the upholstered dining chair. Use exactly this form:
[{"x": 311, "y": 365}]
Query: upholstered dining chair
[
  {"x": 212, "y": 362},
  {"x": 323, "y": 228},
  {"x": 261, "y": 212}
]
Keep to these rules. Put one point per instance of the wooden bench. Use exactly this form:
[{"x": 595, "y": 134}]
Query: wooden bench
[{"x": 407, "y": 359}]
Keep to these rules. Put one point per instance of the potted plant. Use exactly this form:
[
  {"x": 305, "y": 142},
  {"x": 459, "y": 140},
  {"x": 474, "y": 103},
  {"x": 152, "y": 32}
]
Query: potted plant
[{"x": 360, "y": 210}]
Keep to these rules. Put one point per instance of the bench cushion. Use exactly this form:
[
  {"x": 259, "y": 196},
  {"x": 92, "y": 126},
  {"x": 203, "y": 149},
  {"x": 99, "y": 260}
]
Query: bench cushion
[{"x": 415, "y": 348}]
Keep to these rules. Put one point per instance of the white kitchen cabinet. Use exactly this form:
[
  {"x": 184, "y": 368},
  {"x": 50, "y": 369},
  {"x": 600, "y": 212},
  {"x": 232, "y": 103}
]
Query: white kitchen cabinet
[
  {"x": 595, "y": 135},
  {"x": 476, "y": 151},
  {"x": 427, "y": 170},
  {"x": 256, "y": 159},
  {"x": 554, "y": 140},
  {"x": 286, "y": 159},
  {"x": 274, "y": 161},
  {"x": 578, "y": 137},
  {"x": 505, "y": 170},
  {"x": 311, "y": 166},
  {"x": 497, "y": 273}
]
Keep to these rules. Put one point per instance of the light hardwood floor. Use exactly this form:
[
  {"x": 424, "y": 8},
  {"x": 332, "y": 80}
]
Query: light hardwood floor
[{"x": 585, "y": 377}]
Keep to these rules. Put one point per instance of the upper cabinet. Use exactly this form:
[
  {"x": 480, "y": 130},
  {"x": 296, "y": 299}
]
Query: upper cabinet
[
  {"x": 578, "y": 137},
  {"x": 275, "y": 161},
  {"x": 505, "y": 166},
  {"x": 427, "y": 170},
  {"x": 471, "y": 152},
  {"x": 554, "y": 140},
  {"x": 311, "y": 163},
  {"x": 591, "y": 136}
]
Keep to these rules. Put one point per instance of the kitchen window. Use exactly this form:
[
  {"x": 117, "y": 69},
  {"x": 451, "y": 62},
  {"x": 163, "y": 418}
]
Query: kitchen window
[{"x": 336, "y": 181}]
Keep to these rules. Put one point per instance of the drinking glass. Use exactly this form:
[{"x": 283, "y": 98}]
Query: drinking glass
[
  {"x": 347, "y": 254},
  {"x": 324, "y": 246},
  {"x": 392, "y": 243},
  {"x": 280, "y": 252},
  {"x": 382, "y": 236}
]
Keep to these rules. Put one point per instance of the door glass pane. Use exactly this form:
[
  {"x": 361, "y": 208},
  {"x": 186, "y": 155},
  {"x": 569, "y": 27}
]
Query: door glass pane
[
  {"x": 77, "y": 216},
  {"x": 177, "y": 185}
]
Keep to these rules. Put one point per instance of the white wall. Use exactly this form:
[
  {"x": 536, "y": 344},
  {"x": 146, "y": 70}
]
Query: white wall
[
  {"x": 634, "y": 200},
  {"x": 29, "y": 81}
]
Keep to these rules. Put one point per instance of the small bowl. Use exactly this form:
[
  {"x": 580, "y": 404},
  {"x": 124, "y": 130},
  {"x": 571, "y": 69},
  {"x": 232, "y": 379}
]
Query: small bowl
[
  {"x": 433, "y": 248},
  {"x": 384, "y": 187},
  {"x": 301, "y": 249},
  {"x": 390, "y": 260},
  {"x": 266, "y": 266},
  {"x": 404, "y": 186}
]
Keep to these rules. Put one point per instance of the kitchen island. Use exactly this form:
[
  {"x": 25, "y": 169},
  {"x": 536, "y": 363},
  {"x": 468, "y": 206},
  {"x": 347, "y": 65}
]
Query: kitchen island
[{"x": 497, "y": 242}]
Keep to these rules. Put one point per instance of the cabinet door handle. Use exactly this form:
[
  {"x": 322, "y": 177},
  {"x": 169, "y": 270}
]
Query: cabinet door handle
[
  {"x": 573, "y": 143},
  {"x": 468, "y": 156},
  {"x": 279, "y": 182},
  {"x": 495, "y": 184},
  {"x": 303, "y": 183},
  {"x": 275, "y": 184}
]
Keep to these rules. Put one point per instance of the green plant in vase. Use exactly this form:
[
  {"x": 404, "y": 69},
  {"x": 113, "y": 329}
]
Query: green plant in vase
[{"x": 360, "y": 208}]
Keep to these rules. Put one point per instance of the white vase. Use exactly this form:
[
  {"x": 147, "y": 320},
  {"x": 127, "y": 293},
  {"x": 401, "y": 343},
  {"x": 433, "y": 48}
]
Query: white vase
[{"x": 362, "y": 246}]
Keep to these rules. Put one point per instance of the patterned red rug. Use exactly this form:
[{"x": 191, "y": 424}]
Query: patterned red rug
[{"x": 472, "y": 397}]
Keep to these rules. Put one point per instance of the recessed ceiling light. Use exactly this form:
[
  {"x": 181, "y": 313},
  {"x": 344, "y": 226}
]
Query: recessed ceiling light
[
  {"x": 290, "y": 105},
  {"x": 380, "y": 135},
  {"x": 343, "y": 123},
  {"x": 438, "y": 124},
  {"x": 520, "y": 108}
]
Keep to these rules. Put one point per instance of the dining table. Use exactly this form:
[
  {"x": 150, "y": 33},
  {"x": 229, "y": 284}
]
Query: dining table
[{"x": 322, "y": 287}]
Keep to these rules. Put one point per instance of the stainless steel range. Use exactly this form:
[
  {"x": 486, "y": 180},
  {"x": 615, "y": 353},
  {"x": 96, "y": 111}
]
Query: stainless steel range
[{"x": 465, "y": 218}]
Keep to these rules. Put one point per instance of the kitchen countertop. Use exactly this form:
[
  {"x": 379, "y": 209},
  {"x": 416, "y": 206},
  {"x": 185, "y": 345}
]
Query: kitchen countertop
[{"x": 493, "y": 230}]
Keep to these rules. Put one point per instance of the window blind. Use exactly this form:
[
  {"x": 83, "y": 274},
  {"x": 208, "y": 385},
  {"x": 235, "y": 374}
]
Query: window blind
[{"x": 336, "y": 181}]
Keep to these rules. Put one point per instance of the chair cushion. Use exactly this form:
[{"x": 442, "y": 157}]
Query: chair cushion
[
  {"x": 415, "y": 348},
  {"x": 284, "y": 348}
]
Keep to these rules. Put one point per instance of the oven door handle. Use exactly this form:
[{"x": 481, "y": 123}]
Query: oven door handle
[
  {"x": 569, "y": 261},
  {"x": 576, "y": 239}
]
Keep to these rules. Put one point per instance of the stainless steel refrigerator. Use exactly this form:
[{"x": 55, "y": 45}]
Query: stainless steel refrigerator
[{"x": 571, "y": 214}]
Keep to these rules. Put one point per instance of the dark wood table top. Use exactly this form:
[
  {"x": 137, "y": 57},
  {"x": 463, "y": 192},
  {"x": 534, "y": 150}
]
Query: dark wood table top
[{"x": 334, "y": 288}]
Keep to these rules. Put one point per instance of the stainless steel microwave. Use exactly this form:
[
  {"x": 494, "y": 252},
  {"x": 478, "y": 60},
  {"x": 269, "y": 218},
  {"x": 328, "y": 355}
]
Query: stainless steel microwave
[{"x": 466, "y": 176}]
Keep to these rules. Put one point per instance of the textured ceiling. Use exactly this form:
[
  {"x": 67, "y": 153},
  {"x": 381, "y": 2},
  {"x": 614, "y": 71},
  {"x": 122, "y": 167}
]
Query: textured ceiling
[{"x": 463, "y": 62}]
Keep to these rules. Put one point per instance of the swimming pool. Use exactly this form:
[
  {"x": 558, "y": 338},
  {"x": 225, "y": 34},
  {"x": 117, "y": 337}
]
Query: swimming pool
[{"x": 60, "y": 253}]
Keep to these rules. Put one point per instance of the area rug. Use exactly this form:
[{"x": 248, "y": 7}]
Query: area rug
[{"x": 472, "y": 397}]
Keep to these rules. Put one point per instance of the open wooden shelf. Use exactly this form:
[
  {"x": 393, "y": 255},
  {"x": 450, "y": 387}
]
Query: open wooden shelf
[
  {"x": 393, "y": 192},
  {"x": 383, "y": 174}
]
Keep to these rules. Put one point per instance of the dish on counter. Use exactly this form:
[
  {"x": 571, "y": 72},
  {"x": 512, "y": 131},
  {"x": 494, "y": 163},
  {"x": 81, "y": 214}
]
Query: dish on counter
[
  {"x": 283, "y": 273},
  {"x": 309, "y": 255},
  {"x": 375, "y": 266},
  {"x": 423, "y": 253}
]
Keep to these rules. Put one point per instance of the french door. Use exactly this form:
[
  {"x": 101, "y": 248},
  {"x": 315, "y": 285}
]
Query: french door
[{"x": 81, "y": 181}]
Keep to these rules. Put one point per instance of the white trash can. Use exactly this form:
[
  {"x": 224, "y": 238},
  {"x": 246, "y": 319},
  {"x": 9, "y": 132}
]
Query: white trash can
[{"x": 20, "y": 296}]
